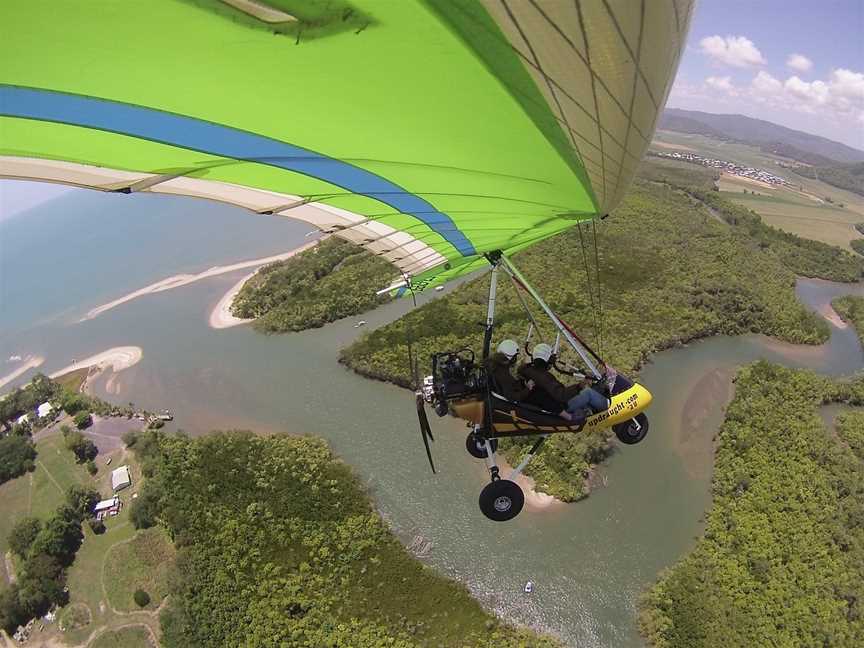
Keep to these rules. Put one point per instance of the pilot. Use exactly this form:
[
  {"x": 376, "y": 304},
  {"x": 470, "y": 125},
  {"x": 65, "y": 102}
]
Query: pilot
[{"x": 499, "y": 366}]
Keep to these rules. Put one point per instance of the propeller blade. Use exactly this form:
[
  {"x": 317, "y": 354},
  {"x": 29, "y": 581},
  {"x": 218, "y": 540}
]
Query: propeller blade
[{"x": 425, "y": 430}]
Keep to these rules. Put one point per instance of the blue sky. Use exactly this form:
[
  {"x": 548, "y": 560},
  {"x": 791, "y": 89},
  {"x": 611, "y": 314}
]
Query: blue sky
[{"x": 738, "y": 61}]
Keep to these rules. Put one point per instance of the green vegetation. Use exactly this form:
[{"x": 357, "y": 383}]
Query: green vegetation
[
  {"x": 781, "y": 561},
  {"x": 17, "y": 454},
  {"x": 857, "y": 245},
  {"x": 44, "y": 556},
  {"x": 317, "y": 286},
  {"x": 278, "y": 545},
  {"x": 82, "y": 420},
  {"x": 679, "y": 174},
  {"x": 844, "y": 176},
  {"x": 83, "y": 448},
  {"x": 850, "y": 428},
  {"x": 25, "y": 400},
  {"x": 672, "y": 271},
  {"x": 851, "y": 309},
  {"x": 135, "y": 636},
  {"x": 141, "y": 564}
]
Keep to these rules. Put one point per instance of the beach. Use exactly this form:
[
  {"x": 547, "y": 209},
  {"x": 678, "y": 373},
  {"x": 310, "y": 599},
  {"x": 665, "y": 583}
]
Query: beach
[
  {"x": 177, "y": 281},
  {"x": 117, "y": 358},
  {"x": 30, "y": 362},
  {"x": 221, "y": 317}
]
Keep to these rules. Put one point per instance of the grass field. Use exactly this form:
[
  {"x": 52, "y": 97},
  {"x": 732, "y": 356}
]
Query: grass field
[
  {"x": 39, "y": 494},
  {"x": 141, "y": 563},
  {"x": 134, "y": 636},
  {"x": 804, "y": 211},
  {"x": 752, "y": 156}
]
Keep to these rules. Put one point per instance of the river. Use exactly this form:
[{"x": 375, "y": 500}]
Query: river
[{"x": 590, "y": 561}]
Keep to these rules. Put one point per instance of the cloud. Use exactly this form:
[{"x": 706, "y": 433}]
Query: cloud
[
  {"x": 721, "y": 83},
  {"x": 734, "y": 51},
  {"x": 799, "y": 62},
  {"x": 765, "y": 84},
  {"x": 840, "y": 97}
]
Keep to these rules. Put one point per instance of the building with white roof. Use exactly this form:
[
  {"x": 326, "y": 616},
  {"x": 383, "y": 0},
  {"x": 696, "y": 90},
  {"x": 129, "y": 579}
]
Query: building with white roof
[
  {"x": 120, "y": 478},
  {"x": 24, "y": 418},
  {"x": 44, "y": 409}
]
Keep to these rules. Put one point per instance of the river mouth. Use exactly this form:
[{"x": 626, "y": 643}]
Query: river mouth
[{"x": 589, "y": 561}]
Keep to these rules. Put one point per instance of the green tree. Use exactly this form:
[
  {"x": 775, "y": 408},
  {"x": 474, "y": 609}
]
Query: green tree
[
  {"x": 60, "y": 537},
  {"x": 145, "y": 509},
  {"x": 81, "y": 500},
  {"x": 83, "y": 448},
  {"x": 17, "y": 455},
  {"x": 83, "y": 420},
  {"x": 141, "y": 597},
  {"x": 12, "y": 614},
  {"x": 23, "y": 534},
  {"x": 41, "y": 584}
]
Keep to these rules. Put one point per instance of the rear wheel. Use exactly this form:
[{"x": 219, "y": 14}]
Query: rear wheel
[
  {"x": 476, "y": 445},
  {"x": 632, "y": 431},
  {"x": 501, "y": 500}
]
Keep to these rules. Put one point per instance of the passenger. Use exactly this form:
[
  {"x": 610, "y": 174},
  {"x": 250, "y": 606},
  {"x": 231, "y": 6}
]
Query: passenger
[
  {"x": 569, "y": 401},
  {"x": 499, "y": 366}
]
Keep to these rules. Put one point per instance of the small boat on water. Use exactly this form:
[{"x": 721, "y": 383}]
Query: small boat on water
[
  {"x": 439, "y": 288},
  {"x": 529, "y": 587},
  {"x": 360, "y": 323}
]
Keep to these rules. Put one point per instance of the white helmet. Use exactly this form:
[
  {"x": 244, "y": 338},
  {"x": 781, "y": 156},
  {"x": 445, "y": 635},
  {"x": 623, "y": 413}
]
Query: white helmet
[
  {"x": 509, "y": 348},
  {"x": 542, "y": 351}
]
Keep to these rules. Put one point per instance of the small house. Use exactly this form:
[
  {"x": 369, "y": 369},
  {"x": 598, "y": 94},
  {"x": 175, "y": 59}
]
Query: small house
[
  {"x": 120, "y": 478},
  {"x": 107, "y": 507},
  {"x": 24, "y": 419},
  {"x": 44, "y": 409}
]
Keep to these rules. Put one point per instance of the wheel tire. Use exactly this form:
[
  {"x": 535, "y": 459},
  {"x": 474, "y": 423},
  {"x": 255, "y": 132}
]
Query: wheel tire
[
  {"x": 501, "y": 500},
  {"x": 628, "y": 432},
  {"x": 476, "y": 445}
]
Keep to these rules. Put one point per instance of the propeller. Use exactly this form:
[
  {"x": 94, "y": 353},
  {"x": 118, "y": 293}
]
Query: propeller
[{"x": 425, "y": 429}]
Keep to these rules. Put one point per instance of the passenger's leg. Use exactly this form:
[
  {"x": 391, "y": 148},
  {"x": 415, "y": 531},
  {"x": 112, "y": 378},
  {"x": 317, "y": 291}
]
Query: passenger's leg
[{"x": 587, "y": 398}]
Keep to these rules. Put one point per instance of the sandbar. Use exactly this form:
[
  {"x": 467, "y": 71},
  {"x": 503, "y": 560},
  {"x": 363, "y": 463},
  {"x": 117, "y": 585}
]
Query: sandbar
[
  {"x": 185, "y": 279},
  {"x": 117, "y": 358},
  {"x": 221, "y": 317},
  {"x": 534, "y": 499},
  {"x": 827, "y": 311},
  {"x": 30, "y": 362}
]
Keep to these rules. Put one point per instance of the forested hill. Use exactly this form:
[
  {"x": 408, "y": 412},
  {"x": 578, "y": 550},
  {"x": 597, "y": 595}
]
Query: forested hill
[
  {"x": 758, "y": 132},
  {"x": 844, "y": 176},
  {"x": 278, "y": 545},
  {"x": 781, "y": 562}
]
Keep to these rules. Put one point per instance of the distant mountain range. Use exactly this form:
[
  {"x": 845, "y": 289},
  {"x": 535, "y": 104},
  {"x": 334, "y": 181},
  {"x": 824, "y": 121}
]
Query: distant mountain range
[{"x": 771, "y": 138}]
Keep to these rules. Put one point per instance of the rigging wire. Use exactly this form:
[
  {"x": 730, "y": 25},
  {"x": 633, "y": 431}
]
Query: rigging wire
[
  {"x": 599, "y": 285},
  {"x": 588, "y": 282}
]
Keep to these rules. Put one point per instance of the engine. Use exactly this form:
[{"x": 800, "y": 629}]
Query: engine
[{"x": 455, "y": 375}]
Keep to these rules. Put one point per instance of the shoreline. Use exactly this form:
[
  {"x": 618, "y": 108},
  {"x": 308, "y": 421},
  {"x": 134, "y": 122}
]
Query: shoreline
[
  {"x": 117, "y": 358},
  {"x": 221, "y": 316},
  {"x": 177, "y": 281},
  {"x": 30, "y": 362}
]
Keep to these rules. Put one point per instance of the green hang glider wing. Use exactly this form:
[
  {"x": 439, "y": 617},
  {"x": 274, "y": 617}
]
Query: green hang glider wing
[{"x": 428, "y": 131}]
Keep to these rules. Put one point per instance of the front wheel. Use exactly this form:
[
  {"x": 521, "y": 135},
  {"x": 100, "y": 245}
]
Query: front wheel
[
  {"x": 476, "y": 445},
  {"x": 632, "y": 431},
  {"x": 501, "y": 500}
]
